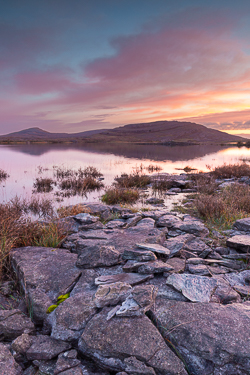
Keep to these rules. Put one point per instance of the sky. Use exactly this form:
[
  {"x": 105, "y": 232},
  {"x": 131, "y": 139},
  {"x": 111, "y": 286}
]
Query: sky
[{"x": 78, "y": 65}]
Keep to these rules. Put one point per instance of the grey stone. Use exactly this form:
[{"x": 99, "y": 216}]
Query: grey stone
[
  {"x": 74, "y": 371},
  {"x": 45, "y": 348},
  {"x": 133, "y": 366},
  {"x": 131, "y": 222},
  {"x": 45, "y": 274},
  {"x": 244, "y": 290},
  {"x": 241, "y": 243},
  {"x": 13, "y": 323},
  {"x": 147, "y": 223},
  {"x": 156, "y": 248},
  {"x": 154, "y": 200},
  {"x": 242, "y": 224},
  {"x": 97, "y": 225},
  {"x": 119, "y": 223},
  {"x": 111, "y": 294},
  {"x": 8, "y": 365},
  {"x": 145, "y": 296},
  {"x": 98, "y": 256},
  {"x": 129, "y": 278},
  {"x": 129, "y": 308},
  {"x": 225, "y": 294},
  {"x": 208, "y": 336},
  {"x": 198, "y": 269},
  {"x": 139, "y": 255},
  {"x": 71, "y": 316},
  {"x": 167, "y": 221},
  {"x": 177, "y": 244},
  {"x": 239, "y": 278},
  {"x": 85, "y": 218},
  {"x": 178, "y": 264},
  {"x": 193, "y": 227},
  {"x": 22, "y": 343},
  {"x": 110, "y": 342},
  {"x": 64, "y": 363},
  {"x": 195, "y": 288},
  {"x": 156, "y": 266}
]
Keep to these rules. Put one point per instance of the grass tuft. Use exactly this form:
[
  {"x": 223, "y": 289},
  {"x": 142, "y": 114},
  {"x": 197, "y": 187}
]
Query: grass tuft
[{"x": 114, "y": 195}]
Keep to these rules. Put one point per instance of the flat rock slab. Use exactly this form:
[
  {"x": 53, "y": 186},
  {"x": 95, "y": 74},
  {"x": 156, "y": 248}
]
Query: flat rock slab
[
  {"x": 211, "y": 338},
  {"x": 44, "y": 273},
  {"x": 111, "y": 294},
  {"x": 139, "y": 255},
  {"x": 168, "y": 221},
  {"x": 240, "y": 242},
  {"x": 8, "y": 365},
  {"x": 193, "y": 227},
  {"x": 155, "y": 248},
  {"x": 70, "y": 317},
  {"x": 129, "y": 278},
  {"x": 45, "y": 348},
  {"x": 154, "y": 267},
  {"x": 13, "y": 323},
  {"x": 110, "y": 342},
  {"x": 238, "y": 278},
  {"x": 195, "y": 288},
  {"x": 98, "y": 256}
]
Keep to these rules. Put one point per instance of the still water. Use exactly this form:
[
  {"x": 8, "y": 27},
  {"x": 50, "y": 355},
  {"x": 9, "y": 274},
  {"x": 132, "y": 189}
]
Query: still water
[{"x": 22, "y": 162}]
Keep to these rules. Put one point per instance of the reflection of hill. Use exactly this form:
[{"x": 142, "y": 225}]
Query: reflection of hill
[{"x": 151, "y": 152}]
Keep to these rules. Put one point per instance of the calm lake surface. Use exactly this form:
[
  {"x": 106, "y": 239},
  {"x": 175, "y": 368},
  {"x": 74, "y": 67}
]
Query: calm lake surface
[{"x": 22, "y": 162}]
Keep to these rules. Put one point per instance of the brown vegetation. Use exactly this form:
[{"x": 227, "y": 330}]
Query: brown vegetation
[
  {"x": 114, "y": 195},
  {"x": 231, "y": 170},
  {"x": 134, "y": 180}
]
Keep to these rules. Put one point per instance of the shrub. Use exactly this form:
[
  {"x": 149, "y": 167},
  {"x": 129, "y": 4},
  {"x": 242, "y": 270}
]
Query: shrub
[
  {"x": 231, "y": 170},
  {"x": 116, "y": 195},
  {"x": 133, "y": 180},
  {"x": 224, "y": 208},
  {"x": 43, "y": 185}
]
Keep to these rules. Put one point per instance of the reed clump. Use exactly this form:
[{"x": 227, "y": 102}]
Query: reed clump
[
  {"x": 231, "y": 170},
  {"x": 136, "y": 179},
  {"x": 3, "y": 175},
  {"x": 117, "y": 195},
  {"x": 43, "y": 185}
]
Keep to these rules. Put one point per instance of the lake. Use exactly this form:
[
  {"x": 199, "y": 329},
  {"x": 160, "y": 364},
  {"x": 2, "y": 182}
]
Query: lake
[{"x": 23, "y": 162}]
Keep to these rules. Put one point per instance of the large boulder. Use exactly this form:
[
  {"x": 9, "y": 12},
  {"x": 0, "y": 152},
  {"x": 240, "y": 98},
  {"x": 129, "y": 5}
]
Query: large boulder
[
  {"x": 111, "y": 342},
  {"x": 211, "y": 338},
  {"x": 98, "y": 256}
]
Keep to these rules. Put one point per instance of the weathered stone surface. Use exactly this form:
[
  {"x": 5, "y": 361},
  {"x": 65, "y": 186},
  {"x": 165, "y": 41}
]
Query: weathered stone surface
[
  {"x": 239, "y": 278},
  {"x": 133, "y": 366},
  {"x": 85, "y": 218},
  {"x": 147, "y": 223},
  {"x": 154, "y": 267},
  {"x": 156, "y": 248},
  {"x": 225, "y": 294},
  {"x": 111, "y": 294},
  {"x": 45, "y": 272},
  {"x": 8, "y": 365},
  {"x": 73, "y": 371},
  {"x": 240, "y": 243},
  {"x": 65, "y": 362},
  {"x": 45, "y": 347},
  {"x": 243, "y": 290},
  {"x": 129, "y": 308},
  {"x": 193, "y": 227},
  {"x": 242, "y": 224},
  {"x": 139, "y": 255},
  {"x": 13, "y": 323},
  {"x": 131, "y": 222},
  {"x": 195, "y": 288},
  {"x": 178, "y": 264},
  {"x": 22, "y": 343},
  {"x": 168, "y": 221},
  {"x": 209, "y": 337},
  {"x": 144, "y": 295},
  {"x": 129, "y": 278},
  {"x": 119, "y": 223},
  {"x": 198, "y": 269},
  {"x": 110, "y": 342},
  {"x": 177, "y": 244},
  {"x": 70, "y": 317},
  {"x": 98, "y": 256}
]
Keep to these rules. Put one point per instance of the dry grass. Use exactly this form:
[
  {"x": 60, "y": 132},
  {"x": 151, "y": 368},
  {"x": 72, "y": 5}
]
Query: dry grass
[
  {"x": 80, "y": 185},
  {"x": 204, "y": 182},
  {"x": 72, "y": 210},
  {"x": 161, "y": 184},
  {"x": 114, "y": 195},
  {"x": 231, "y": 170},
  {"x": 223, "y": 208},
  {"x": 43, "y": 185},
  {"x": 134, "y": 180},
  {"x": 3, "y": 175},
  {"x": 17, "y": 230},
  {"x": 153, "y": 168}
]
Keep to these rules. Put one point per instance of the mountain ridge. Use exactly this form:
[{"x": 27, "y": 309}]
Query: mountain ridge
[{"x": 159, "y": 132}]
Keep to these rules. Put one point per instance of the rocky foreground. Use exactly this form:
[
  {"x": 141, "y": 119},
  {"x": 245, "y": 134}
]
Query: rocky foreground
[{"x": 146, "y": 293}]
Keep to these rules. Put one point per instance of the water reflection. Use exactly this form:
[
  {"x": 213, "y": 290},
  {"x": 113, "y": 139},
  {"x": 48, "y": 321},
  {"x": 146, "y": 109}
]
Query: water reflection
[{"x": 151, "y": 152}]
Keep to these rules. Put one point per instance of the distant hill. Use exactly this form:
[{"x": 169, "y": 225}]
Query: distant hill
[
  {"x": 165, "y": 132},
  {"x": 159, "y": 132}
]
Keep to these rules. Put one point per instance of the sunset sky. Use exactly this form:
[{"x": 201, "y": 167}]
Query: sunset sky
[{"x": 75, "y": 65}]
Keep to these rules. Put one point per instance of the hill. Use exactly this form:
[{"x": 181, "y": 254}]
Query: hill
[
  {"x": 165, "y": 132},
  {"x": 159, "y": 132}
]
